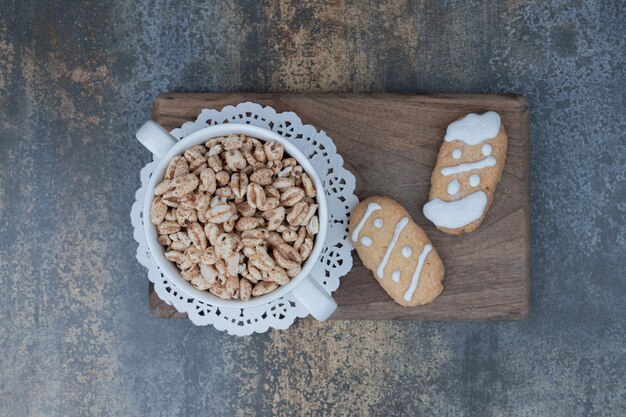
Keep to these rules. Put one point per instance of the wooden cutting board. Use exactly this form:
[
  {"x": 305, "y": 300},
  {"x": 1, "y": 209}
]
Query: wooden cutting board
[{"x": 390, "y": 143}]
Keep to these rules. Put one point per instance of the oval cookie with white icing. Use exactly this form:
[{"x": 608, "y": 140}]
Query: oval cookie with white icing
[
  {"x": 397, "y": 251},
  {"x": 469, "y": 167}
]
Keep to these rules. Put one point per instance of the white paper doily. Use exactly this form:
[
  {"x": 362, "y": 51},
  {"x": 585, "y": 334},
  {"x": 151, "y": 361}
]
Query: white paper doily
[{"x": 335, "y": 260}]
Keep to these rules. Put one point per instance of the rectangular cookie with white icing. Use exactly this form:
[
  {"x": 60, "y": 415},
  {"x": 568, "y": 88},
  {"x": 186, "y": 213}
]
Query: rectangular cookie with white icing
[
  {"x": 397, "y": 251},
  {"x": 469, "y": 166}
]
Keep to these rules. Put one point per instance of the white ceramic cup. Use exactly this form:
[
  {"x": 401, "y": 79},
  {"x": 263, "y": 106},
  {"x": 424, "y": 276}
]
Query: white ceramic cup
[{"x": 303, "y": 286}]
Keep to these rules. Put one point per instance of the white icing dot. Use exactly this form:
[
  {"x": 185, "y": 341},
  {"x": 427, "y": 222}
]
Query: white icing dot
[
  {"x": 366, "y": 241},
  {"x": 456, "y": 154},
  {"x": 474, "y": 180},
  {"x": 395, "y": 276},
  {"x": 378, "y": 222},
  {"x": 406, "y": 251},
  {"x": 486, "y": 149},
  {"x": 453, "y": 187}
]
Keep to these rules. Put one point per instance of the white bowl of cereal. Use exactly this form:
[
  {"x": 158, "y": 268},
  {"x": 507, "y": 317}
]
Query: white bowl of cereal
[{"x": 236, "y": 216}]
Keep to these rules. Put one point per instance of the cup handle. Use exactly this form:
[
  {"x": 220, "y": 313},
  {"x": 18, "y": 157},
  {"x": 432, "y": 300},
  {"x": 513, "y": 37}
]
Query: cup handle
[
  {"x": 154, "y": 137},
  {"x": 315, "y": 298}
]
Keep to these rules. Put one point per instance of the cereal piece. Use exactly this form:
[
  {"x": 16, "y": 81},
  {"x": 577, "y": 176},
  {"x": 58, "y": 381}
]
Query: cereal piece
[
  {"x": 281, "y": 184},
  {"x": 300, "y": 238},
  {"x": 313, "y": 227},
  {"x": 274, "y": 217},
  {"x": 252, "y": 238},
  {"x": 190, "y": 274},
  {"x": 225, "y": 245},
  {"x": 255, "y": 195},
  {"x": 274, "y": 239},
  {"x": 194, "y": 152},
  {"x": 289, "y": 236},
  {"x": 167, "y": 227},
  {"x": 232, "y": 264},
  {"x": 291, "y": 196},
  {"x": 209, "y": 256},
  {"x": 298, "y": 214},
  {"x": 247, "y": 223},
  {"x": 469, "y": 166},
  {"x": 184, "y": 185},
  {"x": 232, "y": 142},
  {"x": 269, "y": 204},
  {"x": 215, "y": 150},
  {"x": 232, "y": 286},
  {"x": 158, "y": 210},
  {"x": 235, "y": 160},
  {"x": 163, "y": 187},
  {"x": 200, "y": 283},
  {"x": 209, "y": 272},
  {"x": 185, "y": 216},
  {"x": 294, "y": 271},
  {"x": 259, "y": 155},
  {"x": 263, "y": 287},
  {"x": 271, "y": 192},
  {"x": 171, "y": 168},
  {"x": 212, "y": 232},
  {"x": 219, "y": 213},
  {"x": 286, "y": 256},
  {"x": 222, "y": 178},
  {"x": 215, "y": 162},
  {"x": 261, "y": 260},
  {"x": 194, "y": 254},
  {"x": 277, "y": 275},
  {"x": 164, "y": 240},
  {"x": 273, "y": 150},
  {"x": 307, "y": 185},
  {"x": 306, "y": 248},
  {"x": 197, "y": 236},
  {"x": 399, "y": 253},
  {"x": 254, "y": 275},
  {"x": 183, "y": 261},
  {"x": 262, "y": 176},
  {"x": 246, "y": 209},
  {"x": 219, "y": 290},
  {"x": 245, "y": 289},
  {"x": 239, "y": 184}
]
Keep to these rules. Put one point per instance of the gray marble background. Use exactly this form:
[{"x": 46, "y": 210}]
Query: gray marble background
[{"x": 78, "y": 78}]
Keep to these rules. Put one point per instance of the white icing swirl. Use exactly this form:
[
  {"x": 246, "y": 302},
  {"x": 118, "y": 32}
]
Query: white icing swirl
[
  {"x": 371, "y": 207},
  {"x": 396, "y": 234},
  {"x": 408, "y": 295},
  {"x": 483, "y": 163},
  {"x": 458, "y": 213}
]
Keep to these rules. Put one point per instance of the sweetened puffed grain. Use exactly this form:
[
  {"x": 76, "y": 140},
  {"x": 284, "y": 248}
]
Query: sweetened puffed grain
[{"x": 237, "y": 216}]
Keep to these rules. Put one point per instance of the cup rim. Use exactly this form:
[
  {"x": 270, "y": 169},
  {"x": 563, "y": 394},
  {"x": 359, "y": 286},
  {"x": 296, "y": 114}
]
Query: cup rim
[{"x": 200, "y": 136}]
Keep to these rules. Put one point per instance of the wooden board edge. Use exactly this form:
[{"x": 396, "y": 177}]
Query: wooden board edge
[{"x": 517, "y": 100}]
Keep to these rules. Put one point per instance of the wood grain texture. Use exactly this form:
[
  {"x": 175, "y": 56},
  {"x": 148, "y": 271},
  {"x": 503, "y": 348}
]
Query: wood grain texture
[{"x": 390, "y": 143}]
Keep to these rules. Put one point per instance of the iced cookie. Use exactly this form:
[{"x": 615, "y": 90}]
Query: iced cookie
[
  {"x": 397, "y": 251},
  {"x": 469, "y": 167}
]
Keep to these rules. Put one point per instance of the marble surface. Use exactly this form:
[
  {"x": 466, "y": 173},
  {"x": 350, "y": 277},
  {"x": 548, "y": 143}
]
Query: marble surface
[{"x": 76, "y": 336}]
